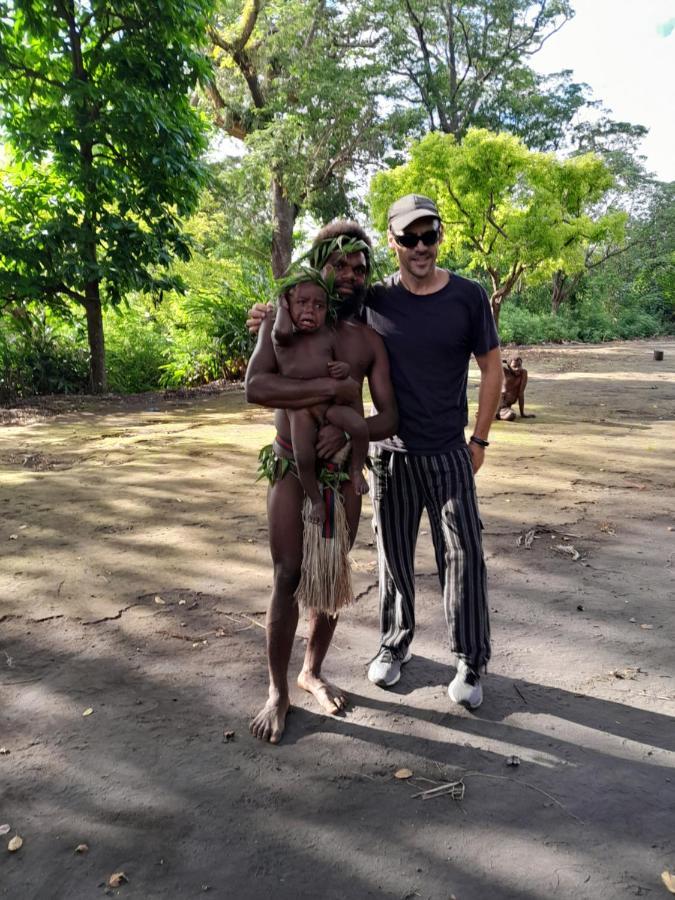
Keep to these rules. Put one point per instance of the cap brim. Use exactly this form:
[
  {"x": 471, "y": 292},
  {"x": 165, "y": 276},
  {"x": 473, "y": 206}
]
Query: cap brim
[{"x": 402, "y": 220}]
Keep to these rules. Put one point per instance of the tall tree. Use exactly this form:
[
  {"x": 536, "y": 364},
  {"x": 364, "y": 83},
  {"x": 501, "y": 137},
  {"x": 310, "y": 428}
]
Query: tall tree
[
  {"x": 94, "y": 99},
  {"x": 632, "y": 190},
  {"x": 507, "y": 211},
  {"x": 464, "y": 63},
  {"x": 292, "y": 85}
]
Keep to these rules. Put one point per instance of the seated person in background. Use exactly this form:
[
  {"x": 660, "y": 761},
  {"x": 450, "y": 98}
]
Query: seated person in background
[
  {"x": 513, "y": 388},
  {"x": 304, "y": 346}
]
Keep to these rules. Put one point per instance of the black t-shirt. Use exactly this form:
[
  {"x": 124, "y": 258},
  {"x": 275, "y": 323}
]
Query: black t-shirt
[{"x": 430, "y": 339}]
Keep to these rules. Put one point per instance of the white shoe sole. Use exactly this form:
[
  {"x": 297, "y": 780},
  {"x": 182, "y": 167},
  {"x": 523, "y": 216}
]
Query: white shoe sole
[
  {"x": 380, "y": 682},
  {"x": 387, "y": 684},
  {"x": 464, "y": 703}
]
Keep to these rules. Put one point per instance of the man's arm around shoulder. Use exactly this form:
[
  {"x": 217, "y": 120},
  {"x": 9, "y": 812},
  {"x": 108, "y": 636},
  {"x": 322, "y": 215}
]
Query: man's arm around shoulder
[{"x": 385, "y": 422}]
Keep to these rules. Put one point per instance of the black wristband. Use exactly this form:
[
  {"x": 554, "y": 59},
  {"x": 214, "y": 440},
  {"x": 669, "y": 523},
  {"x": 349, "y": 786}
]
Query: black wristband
[{"x": 476, "y": 440}]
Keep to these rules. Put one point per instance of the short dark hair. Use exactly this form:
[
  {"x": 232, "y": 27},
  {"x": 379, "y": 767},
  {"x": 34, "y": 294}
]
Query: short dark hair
[{"x": 346, "y": 228}]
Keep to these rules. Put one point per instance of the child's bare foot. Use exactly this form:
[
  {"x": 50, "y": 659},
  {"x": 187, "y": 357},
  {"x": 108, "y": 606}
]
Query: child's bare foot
[
  {"x": 330, "y": 698},
  {"x": 359, "y": 483},
  {"x": 318, "y": 514},
  {"x": 269, "y": 724}
]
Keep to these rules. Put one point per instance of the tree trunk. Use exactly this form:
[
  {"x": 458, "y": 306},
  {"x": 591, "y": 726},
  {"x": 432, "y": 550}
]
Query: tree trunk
[
  {"x": 97, "y": 375},
  {"x": 85, "y": 114},
  {"x": 496, "y": 303},
  {"x": 558, "y": 291},
  {"x": 284, "y": 214}
]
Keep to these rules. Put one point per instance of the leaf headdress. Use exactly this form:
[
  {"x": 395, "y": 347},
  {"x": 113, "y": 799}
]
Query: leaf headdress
[
  {"x": 301, "y": 273},
  {"x": 309, "y": 268},
  {"x": 320, "y": 253}
]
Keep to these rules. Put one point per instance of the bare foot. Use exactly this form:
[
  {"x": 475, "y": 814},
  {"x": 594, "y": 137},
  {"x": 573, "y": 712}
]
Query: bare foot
[
  {"x": 269, "y": 724},
  {"x": 318, "y": 514},
  {"x": 330, "y": 698},
  {"x": 359, "y": 483}
]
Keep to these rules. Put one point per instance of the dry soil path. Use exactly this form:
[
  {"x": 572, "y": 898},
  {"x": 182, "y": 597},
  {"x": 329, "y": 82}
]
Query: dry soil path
[{"x": 134, "y": 574}]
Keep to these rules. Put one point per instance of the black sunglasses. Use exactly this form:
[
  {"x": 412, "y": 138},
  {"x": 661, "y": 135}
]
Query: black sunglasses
[{"x": 428, "y": 238}]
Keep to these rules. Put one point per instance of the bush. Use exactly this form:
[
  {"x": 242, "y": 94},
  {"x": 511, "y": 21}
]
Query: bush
[
  {"x": 135, "y": 348},
  {"x": 209, "y": 338},
  {"x": 589, "y": 317},
  {"x": 520, "y": 326},
  {"x": 41, "y": 354}
]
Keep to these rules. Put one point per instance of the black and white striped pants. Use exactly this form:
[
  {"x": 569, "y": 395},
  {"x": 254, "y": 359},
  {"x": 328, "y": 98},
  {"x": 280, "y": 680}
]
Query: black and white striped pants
[{"x": 402, "y": 486}]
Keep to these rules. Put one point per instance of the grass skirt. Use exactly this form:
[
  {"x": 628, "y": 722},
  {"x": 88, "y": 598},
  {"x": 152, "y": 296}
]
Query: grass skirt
[{"x": 326, "y": 579}]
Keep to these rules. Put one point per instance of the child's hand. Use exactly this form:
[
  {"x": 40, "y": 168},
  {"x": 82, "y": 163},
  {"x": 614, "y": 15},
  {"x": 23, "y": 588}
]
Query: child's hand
[{"x": 338, "y": 369}]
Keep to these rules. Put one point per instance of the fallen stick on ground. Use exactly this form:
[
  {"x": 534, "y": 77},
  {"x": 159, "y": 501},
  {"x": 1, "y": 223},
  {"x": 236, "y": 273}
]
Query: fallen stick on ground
[
  {"x": 515, "y": 687},
  {"x": 454, "y": 788},
  {"x": 250, "y": 619}
]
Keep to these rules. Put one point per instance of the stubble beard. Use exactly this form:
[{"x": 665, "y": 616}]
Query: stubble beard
[{"x": 351, "y": 303}]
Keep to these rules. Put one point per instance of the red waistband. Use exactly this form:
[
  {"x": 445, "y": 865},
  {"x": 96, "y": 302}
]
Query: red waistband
[{"x": 285, "y": 444}]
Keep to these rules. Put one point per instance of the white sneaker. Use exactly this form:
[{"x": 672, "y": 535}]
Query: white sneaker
[
  {"x": 465, "y": 688},
  {"x": 385, "y": 669}
]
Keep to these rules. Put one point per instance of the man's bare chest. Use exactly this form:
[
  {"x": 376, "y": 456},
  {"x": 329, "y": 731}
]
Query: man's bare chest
[{"x": 352, "y": 347}]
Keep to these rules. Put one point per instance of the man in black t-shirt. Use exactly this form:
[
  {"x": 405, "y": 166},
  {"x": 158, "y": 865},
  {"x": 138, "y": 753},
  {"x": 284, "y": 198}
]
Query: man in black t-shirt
[{"x": 432, "y": 321}]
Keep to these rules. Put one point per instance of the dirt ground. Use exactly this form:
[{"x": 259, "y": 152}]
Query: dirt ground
[{"x": 134, "y": 575}]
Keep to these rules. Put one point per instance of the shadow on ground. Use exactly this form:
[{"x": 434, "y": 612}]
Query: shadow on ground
[{"x": 136, "y": 590}]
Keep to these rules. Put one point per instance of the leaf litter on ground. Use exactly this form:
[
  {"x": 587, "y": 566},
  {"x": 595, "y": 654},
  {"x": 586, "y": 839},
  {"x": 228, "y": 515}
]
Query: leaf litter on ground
[
  {"x": 570, "y": 550},
  {"x": 630, "y": 673},
  {"x": 527, "y": 539}
]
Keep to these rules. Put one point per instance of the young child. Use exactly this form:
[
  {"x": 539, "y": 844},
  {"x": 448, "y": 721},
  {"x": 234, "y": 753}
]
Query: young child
[{"x": 304, "y": 346}]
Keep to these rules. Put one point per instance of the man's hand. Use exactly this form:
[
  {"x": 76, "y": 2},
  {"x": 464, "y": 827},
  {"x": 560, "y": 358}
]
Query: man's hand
[
  {"x": 477, "y": 456},
  {"x": 257, "y": 314},
  {"x": 330, "y": 441},
  {"x": 338, "y": 369},
  {"x": 347, "y": 391}
]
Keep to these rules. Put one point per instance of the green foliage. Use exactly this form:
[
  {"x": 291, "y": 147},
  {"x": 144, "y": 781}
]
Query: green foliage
[
  {"x": 95, "y": 102},
  {"x": 592, "y": 316},
  {"x": 40, "y": 353},
  {"x": 507, "y": 212},
  {"x": 103, "y": 168},
  {"x": 462, "y": 65},
  {"x": 135, "y": 350},
  {"x": 297, "y": 86},
  {"x": 217, "y": 343},
  {"x": 206, "y": 326}
]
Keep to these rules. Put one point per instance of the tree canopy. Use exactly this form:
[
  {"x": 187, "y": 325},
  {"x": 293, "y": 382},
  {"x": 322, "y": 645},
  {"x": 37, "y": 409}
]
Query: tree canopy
[
  {"x": 293, "y": 85},
  {"x": 507, "y": 211},
  {"x": 464, "y": 63},
  {"x": 160, "y": 164},
  {"x": 94, "y": 100}
]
